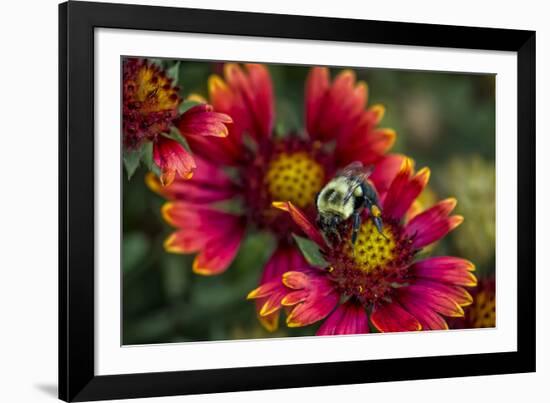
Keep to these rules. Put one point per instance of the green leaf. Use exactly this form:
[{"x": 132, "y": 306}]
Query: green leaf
[
  {"x": 186, "y": 105},
  {"x": 176, "y": 136},
  {"x": 175, "y": 276},
  {"x": 232, "y": 206},
  {"x": 147, "y": 158},
  {"x": 174, "y": 72},
  {"x": 131, "y": 160},
  {"x": 311, "y": 252},
  {"x": 250, "y": 143},
  {"x": 158, "y": 62},
  {"x": 135, "y": 247}
]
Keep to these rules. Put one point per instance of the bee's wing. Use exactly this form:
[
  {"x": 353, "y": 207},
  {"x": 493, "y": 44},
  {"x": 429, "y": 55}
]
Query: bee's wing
[
  {"x": 357, "y": 174},
  {"x": 356, "y": 169}
]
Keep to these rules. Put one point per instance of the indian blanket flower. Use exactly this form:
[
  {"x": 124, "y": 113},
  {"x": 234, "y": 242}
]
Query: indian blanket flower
[
  {"x": 482, "y": 312},
  {"x": 150, "y": 108},
  {"x": 256, "y": 167},
  {"x": 382, "y": 278}
]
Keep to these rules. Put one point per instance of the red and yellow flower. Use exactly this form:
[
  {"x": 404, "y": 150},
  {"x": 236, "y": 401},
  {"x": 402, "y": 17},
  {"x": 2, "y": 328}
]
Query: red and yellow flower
[
  {"x": 381, "y": 278},
  {"x": 257, "y": 167},
  {"x": 482, "y": 312},
  {"x": 150, "y": 108}
]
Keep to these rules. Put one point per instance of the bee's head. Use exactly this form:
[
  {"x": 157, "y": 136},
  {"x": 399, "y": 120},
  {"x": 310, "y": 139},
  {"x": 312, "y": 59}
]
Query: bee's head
[{"x": 329, "y": 222}]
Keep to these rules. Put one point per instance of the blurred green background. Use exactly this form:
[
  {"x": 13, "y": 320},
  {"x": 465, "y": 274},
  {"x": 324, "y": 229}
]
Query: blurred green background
[{"x": 443, "y": 120}]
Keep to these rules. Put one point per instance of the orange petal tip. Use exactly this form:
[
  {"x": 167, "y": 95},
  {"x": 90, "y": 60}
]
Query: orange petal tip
[
  {"x": 285, "y": 278},
  {"x": 451, "y": 202},
  {"x": 169, "y": 246},
  {"x": 455, "y": 221},
  {"x": 152, "y": 182},
  {"x": 290, "y": 322},
  {"x": 284, "y": 302},
  {"x": 196, "y": 98},
  {"x": 203, "y": 271},
  {"x": 270, "y": 323},
  {"x": 229, "y": 68},
  {"x": 267, "y": 309},
  {"x": 379, "y": 111},
  {"x": 407, "y": 165},
  {"x": 469, "y": 300},
  {"x": 473, "y": 282},
  {"x": 391, "y": 136},
  {"x": 165, "y": 212},
  {"x": 424, "y": 175},
  {"x": 362, "y": 87},
  {"x": 347, "y": 73},
  {"x": 215, "y": 82},
  {"x": 281, "y": 205},
  {"x": 253, "y": 294},
  {"x": 459, "y": 313},
  {"x": 390, "y": 133}
]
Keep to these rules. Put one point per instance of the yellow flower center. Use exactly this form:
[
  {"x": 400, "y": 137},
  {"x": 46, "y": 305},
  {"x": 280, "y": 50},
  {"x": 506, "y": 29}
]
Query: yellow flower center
[
  {"x": 482, "y": 312},
  {"x": 294, "y": 177},
  {"x": 371, "y": 249},
  {"x": 155, "y": 91}
]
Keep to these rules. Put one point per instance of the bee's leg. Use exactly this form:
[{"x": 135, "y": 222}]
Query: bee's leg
[
  {"x": 375, "y": 214},
  {"x": 378, "y": 224},
  {"x": 355, "y": 228}
]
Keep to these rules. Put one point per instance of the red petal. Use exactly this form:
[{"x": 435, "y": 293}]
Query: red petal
[
  {"x": 392, "y": 317},
  {"x": 201, "y": 120},
  {"x": 260, "y": 81},
  {"x": 172, "y": 158},
  {"x": 433, "y": 224},
  {"x": 339, "y": 109},
  {"x": 228, "y": 150},
  {"x": 271, "y": 290},
  {"x": 348, "y": 318},
  {"x": 216, "y": 235},
  {"x": 385, "y": 171},
  {"x": 429, "y": 319},
  {"x": 299, "y": 218},
  {"x": 446, "y": 269},
  {"x": 435, "y": 299},
  {"x": 247, "y": 98},
  {"x": 294, "y": 297},
  {"x": 208, "y": 184},
  {"x": 404, "y": 190},
  {"x": 312, "y": 310},
  {"x": 184, "y": 241},
  {"x": 457, "y": 293},
  {"x": 316, "y": 297},
  {"x": 222, "y": 150},
  {"x": 317, "y": 84},
  {"x": 367, "y": 145},
  {"x": 218, "y": 254},
  {"x": 296, "y": 280}
]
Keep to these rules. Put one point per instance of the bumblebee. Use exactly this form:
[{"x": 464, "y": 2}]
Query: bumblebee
[{"x": 345, "y": 197}]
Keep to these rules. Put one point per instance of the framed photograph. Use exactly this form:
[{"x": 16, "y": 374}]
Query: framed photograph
[{"x": 257, "y": 201}]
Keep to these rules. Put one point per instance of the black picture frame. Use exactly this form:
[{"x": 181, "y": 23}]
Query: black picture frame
[{"x": 77, "y": 379}]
